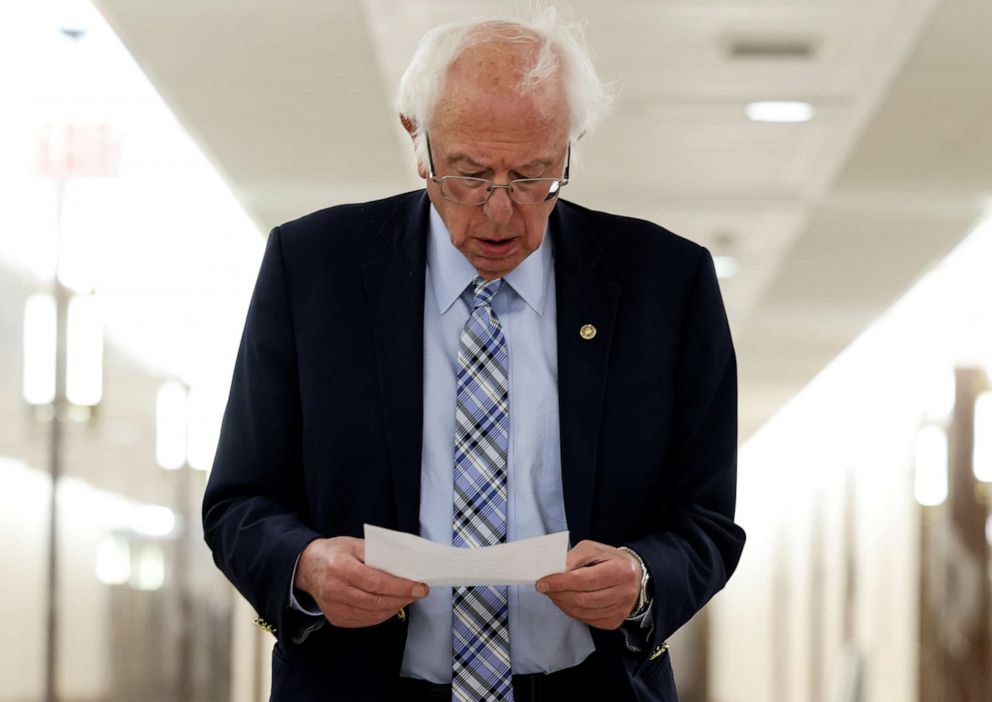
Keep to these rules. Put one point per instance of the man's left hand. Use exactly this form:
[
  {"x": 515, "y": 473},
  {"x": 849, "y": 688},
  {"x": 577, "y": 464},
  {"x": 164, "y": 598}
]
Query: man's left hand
[{"x": 599, "y": 587}]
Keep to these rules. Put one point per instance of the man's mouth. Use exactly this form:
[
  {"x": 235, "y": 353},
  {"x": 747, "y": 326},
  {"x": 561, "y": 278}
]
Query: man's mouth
[{"x": 495, "y": 247}]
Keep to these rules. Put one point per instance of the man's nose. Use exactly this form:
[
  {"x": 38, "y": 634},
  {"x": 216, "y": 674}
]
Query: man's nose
[{"x": 499, "y": 207}]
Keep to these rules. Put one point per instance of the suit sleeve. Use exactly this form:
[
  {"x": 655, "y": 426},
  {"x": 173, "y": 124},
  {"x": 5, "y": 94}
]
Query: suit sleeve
[
  {"x": 254, "y": 509},
  {"x": 697, "y": 547}
]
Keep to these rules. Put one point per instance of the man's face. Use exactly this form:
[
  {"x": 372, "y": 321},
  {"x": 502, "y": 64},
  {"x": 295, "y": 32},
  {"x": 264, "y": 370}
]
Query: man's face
[{"x": 482, "y": 128}]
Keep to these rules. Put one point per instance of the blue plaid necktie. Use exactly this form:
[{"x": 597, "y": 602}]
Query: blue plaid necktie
[{"x": 481, "y": 645}]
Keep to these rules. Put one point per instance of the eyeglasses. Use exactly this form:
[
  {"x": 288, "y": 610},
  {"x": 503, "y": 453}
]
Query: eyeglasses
[{"x": 465, "y": 190}]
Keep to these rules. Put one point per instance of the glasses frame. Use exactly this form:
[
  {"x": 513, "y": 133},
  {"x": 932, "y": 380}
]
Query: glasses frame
[{"x": 492, "y": 186}]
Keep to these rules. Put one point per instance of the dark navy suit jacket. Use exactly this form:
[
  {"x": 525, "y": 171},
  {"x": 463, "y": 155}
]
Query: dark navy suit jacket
[{"x": 323, "y": 427}]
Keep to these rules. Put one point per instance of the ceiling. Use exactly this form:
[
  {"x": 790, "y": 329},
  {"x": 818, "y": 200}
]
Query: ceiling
[{"x": 830, "y": 220}]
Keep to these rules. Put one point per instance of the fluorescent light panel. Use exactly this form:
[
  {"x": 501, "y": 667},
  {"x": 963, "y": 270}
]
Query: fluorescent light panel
[
  {"x": 153, "y": 520},
  {"x": 84, "y": 356},
  {"x": 782, "y": 111},
  {"x": 930, "y": 484},
  {"x": 113, "y": 560},
  {"x": 148, "y": 572},
  {"x": 39, "y": 349}
]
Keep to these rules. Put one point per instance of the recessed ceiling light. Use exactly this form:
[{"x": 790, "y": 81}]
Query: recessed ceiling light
[{"x": 780, "y": 111}]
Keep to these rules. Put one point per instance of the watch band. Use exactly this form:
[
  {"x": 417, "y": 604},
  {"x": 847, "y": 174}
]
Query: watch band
[{"x": 642, "y": 597}]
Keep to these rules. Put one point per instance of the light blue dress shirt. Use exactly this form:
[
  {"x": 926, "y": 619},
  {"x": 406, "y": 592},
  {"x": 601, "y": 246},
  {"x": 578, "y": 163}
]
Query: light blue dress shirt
[{"x": 542, "y": 637}]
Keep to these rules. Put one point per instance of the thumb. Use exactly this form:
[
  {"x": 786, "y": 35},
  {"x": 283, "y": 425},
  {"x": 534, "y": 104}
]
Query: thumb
[{"x": 583, "y": 554}]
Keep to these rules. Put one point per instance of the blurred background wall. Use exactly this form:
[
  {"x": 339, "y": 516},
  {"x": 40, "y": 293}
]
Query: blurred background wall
[{"x": 146, "y": 148}]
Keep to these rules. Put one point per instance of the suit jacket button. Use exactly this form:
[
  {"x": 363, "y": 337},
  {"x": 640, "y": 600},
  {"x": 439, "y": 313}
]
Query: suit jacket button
[
  {"x": 264, "y": 626},
  {"x": 662, "y": 648},
  {"x": 587, "y": 331}
]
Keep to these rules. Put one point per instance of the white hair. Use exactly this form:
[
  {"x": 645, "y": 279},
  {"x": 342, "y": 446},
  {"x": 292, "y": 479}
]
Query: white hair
[{"x": 561, "y": 50}]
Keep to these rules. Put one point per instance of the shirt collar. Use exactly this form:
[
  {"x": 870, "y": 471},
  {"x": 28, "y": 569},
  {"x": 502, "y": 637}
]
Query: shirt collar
[{"x": 451, "y": 272}]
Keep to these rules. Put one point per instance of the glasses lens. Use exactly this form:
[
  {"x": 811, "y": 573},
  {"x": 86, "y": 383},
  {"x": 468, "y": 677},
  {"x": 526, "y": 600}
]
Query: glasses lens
[
  {"x": 466, "y": 191},
  {"x": 533, "y": 191},
  {"x": 475, "y": 191}
]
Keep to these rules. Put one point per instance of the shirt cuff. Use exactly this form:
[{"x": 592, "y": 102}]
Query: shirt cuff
[
  {"x": 637, "y": 630},
  {"x": 307, "y": 606}
]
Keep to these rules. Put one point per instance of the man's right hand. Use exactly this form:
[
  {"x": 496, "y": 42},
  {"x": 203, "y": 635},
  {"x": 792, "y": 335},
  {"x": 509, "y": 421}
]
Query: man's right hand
[{"x": 348, "y": 592}]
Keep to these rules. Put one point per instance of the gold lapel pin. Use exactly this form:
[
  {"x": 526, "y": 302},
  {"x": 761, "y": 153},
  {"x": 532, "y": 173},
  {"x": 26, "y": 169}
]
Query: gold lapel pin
[{"x": 587, "y": 331}]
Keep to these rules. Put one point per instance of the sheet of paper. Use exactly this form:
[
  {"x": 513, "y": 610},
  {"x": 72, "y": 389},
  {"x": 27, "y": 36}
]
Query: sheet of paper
[{"x": 413, "y": 557}]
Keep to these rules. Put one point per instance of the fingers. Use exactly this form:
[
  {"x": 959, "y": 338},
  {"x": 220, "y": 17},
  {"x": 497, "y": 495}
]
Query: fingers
[
  {"x": 588, "y": 602},
  {"x": 368, "y": 596},
  {"x": 599, "y": 588},
  {"x": 378, "y": 582},
  {"x": 594, "y": 603},
  {"x": 603, "y": 609},
  {"x": 356, "y": 607},
  {"x": 350, "y": 593},
  {"x": 371, "y": 602},
  {"x": 597, "y": 576},
  {"x": 587, "y": 553},
  {"x": 351, "y": 606},
  {"x": 342, "y": 563},
  {"x": 607, "y": 613}
]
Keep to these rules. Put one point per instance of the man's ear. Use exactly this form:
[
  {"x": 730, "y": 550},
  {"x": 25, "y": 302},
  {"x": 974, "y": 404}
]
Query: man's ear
[{"x": 411, "y": 127}]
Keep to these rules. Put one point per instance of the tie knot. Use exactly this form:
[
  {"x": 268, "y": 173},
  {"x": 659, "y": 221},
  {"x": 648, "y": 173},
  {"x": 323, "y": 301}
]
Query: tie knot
[{"x": 484, "y": 290}]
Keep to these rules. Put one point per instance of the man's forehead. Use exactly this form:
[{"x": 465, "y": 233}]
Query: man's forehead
[
  {"x": 480, "y": 111},
  {"x": 526, "y": 136},
  {"x": 466, "y": 102},
  {"x": 477, "y": 160},
  {"x": 499, "y": 67}
]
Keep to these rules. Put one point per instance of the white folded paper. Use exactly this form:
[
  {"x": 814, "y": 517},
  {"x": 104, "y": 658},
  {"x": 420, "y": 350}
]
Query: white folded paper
[{"x": 413, "y": 557}]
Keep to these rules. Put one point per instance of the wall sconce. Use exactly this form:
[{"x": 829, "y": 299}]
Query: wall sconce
[
  {"x": 171, "y": 407},
  {"x": 40, "y": 331},
  {"x": 930, "y": 479},
  {"x": 981, "y": 458},
  {"x": 121, "y": 562},
  {"x": 185, "y": 434},
  {"x": 84, "y": 350}
]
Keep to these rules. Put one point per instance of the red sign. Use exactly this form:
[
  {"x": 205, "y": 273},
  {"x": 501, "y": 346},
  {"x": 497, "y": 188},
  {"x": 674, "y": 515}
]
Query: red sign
[{"x": 77, "y": 151}]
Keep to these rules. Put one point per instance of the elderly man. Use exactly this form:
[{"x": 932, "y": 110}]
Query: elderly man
[{"x": 480, "y": 363}]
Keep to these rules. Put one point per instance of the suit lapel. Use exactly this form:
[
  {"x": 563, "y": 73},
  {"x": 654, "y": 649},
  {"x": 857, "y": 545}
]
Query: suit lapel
[
  {"x": 584, "y": 296},
  {"x": 394, "y": 287}
]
